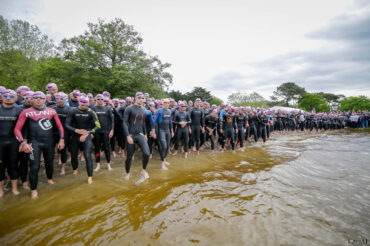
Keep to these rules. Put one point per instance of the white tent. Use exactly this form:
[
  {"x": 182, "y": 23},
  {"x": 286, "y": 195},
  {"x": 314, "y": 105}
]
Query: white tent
[{"x": 288, "y": 109}]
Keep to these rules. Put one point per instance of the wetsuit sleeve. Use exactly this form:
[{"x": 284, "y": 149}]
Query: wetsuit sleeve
[
  {"x": 111, "y": 119},
  {"x": 59, "y": 125},
  {"x": 235, "y": 125},
  {"x": 171, "y": 126},
  {"x": 96, "y": 121},
  {"x": 202, "y": 119},
  {"x": 126, "y": 116},
  {"x": 175, "y": 119},
  {"x": 68, "y": 123},
  {"x": 19, "y": 126},
  {"x": 158, "y": 118},
  {"x": 189, "y": 119}
]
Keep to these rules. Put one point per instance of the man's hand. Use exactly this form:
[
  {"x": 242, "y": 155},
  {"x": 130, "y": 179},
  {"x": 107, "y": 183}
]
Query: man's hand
[
  {"x": 81, "y": 131},
  {"x": 172, "y": 134},
  {"x": 130, "y": 140},
  {"x": 111, "y": 133},
  {"x": 202, "y": 129},
  {"x": 83, "y": 138},
  {"x": 61, "y": 144},
  {"x": 25, "y": 147},
  {"x": 182, "y": 124}
]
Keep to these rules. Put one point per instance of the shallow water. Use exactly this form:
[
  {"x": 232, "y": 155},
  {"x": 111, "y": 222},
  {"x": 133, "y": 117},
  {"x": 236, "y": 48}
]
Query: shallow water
[{"x": 298, "y": 189}]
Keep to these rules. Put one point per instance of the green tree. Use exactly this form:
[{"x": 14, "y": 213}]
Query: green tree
[
  {"x": 355, "y": 103},
  {"x": 216, "y": 100},
  {"x": 313, "y": 101},
  {"x": 289, "y": 92},
  {"x": 26, "y": 38},
  {"x": 110, "y": 54},
  {"x": 199, "y": 92},
  {"x": 176, "y": 95},
  {"x": 242, "y": 98}
]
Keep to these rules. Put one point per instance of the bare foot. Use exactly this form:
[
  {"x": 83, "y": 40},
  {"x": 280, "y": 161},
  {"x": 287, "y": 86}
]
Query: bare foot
[
  {"x": 75, "y": 171},
  {"x": 150, "y": 156},
  {"x": 62, "y": 171},
  {"x": 127, "y": 176},
  {"x": 163, "y": 164},
  {"x": 15, "y": 192},
  {"x": 97, "y": 167},
  {"x": 25, "y": 186},
  {"x": 175, "y": 153},
  {"x": 50, "y": 181},
  {"x": 233, "y": 152},
  {"x": 167, "y": 163},
  {"x": 123, "y": 154},
  {"x": 198, "y": 152},
  {"x": 89, "y": 180},
  {"x": 114, "y": 154},
  {"x": 133, "y": 157},
  {"x": 186, "y": 155},
  {"x": 146, "y": 175},
  {"x": 109, "y": 167},
  {"x": 34, "y": 194}
]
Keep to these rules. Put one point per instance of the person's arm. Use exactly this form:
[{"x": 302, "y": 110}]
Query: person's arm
[
  {"x": 59, "y": 125},
  {"x": 96, "y": 122},
  {"x": 68, "y": 123},
  {"x": 19, "y": 126},
  {"x": 126, "y": 116}
]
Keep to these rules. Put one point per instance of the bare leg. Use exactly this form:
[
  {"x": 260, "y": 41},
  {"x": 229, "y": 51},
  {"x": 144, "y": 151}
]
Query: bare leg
[
  {"x": 163, "y": 166},
  {"x": 89, "y": 180},
  {"x": 127, "y": 176},
  {"x": 109, "y": 167},
  {"x": 1, "y": 188},
  {"x": 63, "y": 169},
  {"x": 97, "y": 167}
]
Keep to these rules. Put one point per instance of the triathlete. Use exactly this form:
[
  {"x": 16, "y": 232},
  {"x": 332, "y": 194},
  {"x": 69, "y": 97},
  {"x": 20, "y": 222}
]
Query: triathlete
[{"x": 40, "y": 137}]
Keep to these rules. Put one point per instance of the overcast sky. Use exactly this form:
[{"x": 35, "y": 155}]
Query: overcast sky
[{"x": 231, "y": 45}]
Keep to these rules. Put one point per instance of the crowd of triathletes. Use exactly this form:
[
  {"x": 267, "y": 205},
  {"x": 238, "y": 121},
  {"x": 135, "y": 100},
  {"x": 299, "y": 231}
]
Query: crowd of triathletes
[{"x": 33, "y": 125}]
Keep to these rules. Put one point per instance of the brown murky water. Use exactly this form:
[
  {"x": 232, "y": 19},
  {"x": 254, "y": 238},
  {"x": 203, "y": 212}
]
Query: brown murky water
[{"x": 311, "y": 189}]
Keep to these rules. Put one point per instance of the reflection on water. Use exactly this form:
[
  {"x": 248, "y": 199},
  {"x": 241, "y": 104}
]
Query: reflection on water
[{"x": 297, "y": 189}]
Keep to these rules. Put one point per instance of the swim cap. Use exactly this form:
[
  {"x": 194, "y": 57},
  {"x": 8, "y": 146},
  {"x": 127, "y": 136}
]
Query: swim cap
[
  {"x": 2, "y": 88},
  {"x": 128, "y": 99},
  {"x": 28, "y": 95},
  {"x": 76, "y": 93},
  {"x": 146, "y": 94},
  {"x": 106, "y": 94},
  {"x": 51, "y": 86},
  {"x": 139, "y": 94},
  {"x": 181, "y": 104},
  {"x": 115, "y": 100},
  {"x": 151, "y": 104},
  {"x": 9, "y": 92},
  {"x": 106, "y": 100},
  {"x": 198, "y": 100},
  {"x": 166, "y": 100},
  {"x": 122, "y": 101},
  {"x": 89, "y": 95},
  {"x": 39, "y": 94},
  {"x": 84, "y": 99},
  {"x": 23, "y": 88},
  {"x": 99, "y": 96},
  {"x": 60, "y": 96}
]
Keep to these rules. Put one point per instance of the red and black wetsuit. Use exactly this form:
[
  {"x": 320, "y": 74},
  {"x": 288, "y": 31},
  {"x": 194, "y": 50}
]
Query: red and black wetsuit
[
  {"x": 8, "y": 143},
  {"x": 40, "y": 135}
]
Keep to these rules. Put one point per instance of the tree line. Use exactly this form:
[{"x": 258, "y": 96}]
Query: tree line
[
  {"x": 289, "y": 94},
  {"x": 107, "y": 56}
]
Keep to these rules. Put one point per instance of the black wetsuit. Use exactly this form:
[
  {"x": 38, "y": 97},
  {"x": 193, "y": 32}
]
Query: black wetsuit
[
  {"x": 101, "y": 136},
  {"x": 62, "y": 114},
  {"x": 118, "y": 130},
  {"x": 134, "y": 126},
  {"x": 241, "y": 122},
  {"x": 211, "y": 124},
  {"x": 252, "y": 129},
  {"x": 8, "y": 143},
  {"x": 262, "y": 122},
  {"x": 87, "y": 120},
  {"x": 197, "y": 121},
  {"x": 182, "y": 132},
  {"x": 229, "y": 127},
  {"x": 23, "y": 157}
]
